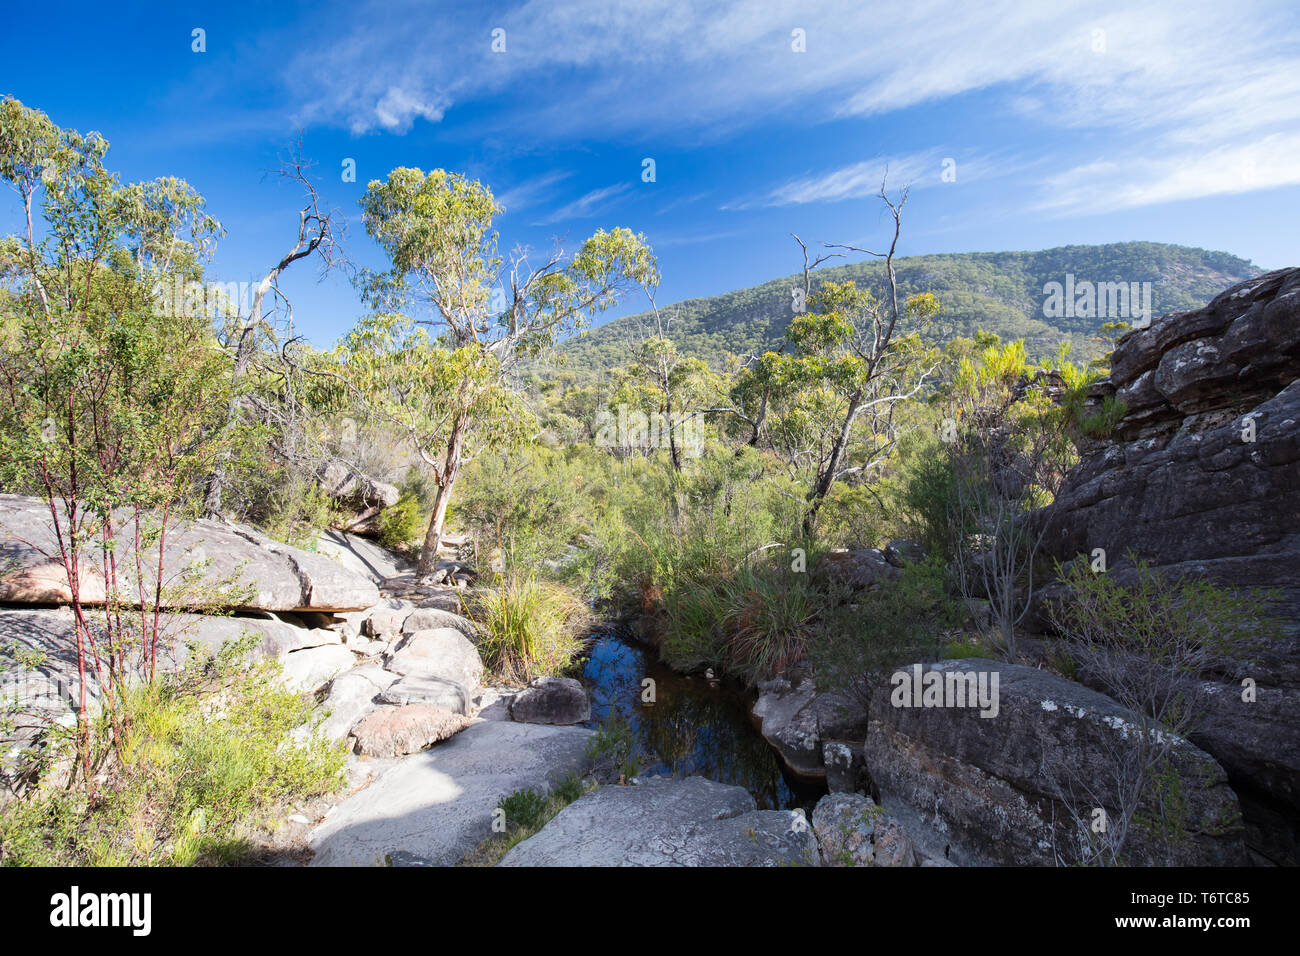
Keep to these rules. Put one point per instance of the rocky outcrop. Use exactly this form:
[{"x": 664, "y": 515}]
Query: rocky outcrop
[
  {"x": 442, "y": 652},
  {"x": 796, "y": 718},
  {"x": 1200, "y": 480},
  {"x": 46, "y": 638},
  {"x": 255, "y": 571},
  {"x": 432, "y": 808},
  {"x": 551, "y": 700},
  {"x": 358, "y": 498},
  {"x": 362, "y": 556},
  {"x": 1022, "y": 786},
  {"x": 852, "y": 830},
  {"x": 865, "y": 569},
  {"x": 663, "y": 822}
]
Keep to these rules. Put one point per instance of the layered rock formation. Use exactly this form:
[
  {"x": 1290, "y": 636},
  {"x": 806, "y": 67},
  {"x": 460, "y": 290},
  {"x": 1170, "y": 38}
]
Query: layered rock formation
[
  {"x": 1023, "y": 785},
  {"x": 1201, "y": 478},
  {"x": 256, "y": 571}
]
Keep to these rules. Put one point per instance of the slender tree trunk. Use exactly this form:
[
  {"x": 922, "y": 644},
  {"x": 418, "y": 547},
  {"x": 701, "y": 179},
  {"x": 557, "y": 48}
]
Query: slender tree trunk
[
  {"x": 826, "y": 478},
  {"x": 673, "y": 451},
  {"x": 447, "y": 480}
]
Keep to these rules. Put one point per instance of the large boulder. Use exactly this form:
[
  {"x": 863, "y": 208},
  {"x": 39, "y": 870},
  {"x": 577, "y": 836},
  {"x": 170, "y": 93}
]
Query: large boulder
[
  {"x": 359, "y": 499},
  {"x": 438, "y": 652},
  {"x": 432, "y": 808},
  {"x": 663, "y": 822},
  {"x": 254, "y": 571},
  {"x": 361, "y": 555},
  {"x": 47, "y": 637},
  {"x": 1199, "y": 480},
  {"x": 1020, "y": 783},
  {"x": 352, "y": 695},
  {"x": 852, "y": 830},
  {"x": 395, "y": 731},
  {"x": 795, "y": 718},
  {"x": 438, "y": 691},
  {"x": 864, "y": 569},
  {"x": 551, "y": 700},
  {"x": 310, "y": 669}
]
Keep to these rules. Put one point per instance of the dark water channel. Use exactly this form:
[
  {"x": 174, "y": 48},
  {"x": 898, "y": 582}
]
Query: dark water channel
[{"x": 695, "y": 726}]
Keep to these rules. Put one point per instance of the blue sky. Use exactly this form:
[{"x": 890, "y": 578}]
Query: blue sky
[{"x": 1065, "y": 122}]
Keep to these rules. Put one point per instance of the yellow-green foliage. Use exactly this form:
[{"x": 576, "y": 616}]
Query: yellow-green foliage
[
  {"x": 208, "y": 758},
  {"x": 531, "y": 627}
]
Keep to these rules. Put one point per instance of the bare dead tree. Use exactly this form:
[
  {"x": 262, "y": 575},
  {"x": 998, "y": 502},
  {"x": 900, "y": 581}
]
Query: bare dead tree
[
  {"x": 319, "y": 233},
  {"x": 885, "y": 366}
]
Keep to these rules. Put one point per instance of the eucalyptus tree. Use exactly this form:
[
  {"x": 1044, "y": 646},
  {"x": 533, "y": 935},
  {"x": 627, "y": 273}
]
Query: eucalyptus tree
[
  {"x": 452, "y": 318},
  {"x": 106, "y": 398}
]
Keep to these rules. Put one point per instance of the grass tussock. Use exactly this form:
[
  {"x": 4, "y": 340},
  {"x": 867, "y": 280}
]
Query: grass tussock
[
  {"x": 523, "y": 813},
  {"x": 530, "y": 627}
]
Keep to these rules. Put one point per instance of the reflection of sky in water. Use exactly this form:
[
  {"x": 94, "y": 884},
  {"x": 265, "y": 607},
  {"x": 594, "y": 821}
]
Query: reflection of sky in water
[{"x": 691, "y": 728}]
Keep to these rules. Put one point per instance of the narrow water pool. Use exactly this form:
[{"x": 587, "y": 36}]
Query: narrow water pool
[{"x": 694, "y": 726}]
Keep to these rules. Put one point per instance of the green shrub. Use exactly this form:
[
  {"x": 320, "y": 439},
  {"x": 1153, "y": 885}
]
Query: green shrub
[
  {"x": 525, "y": 812},
  {"x": 296, "y": 512},
  {"x": 400, "y": 525},
  {"x": 613, "y": 748},
  {"x": 858, "y": 641},
  {"x": 210, "y": 756}
]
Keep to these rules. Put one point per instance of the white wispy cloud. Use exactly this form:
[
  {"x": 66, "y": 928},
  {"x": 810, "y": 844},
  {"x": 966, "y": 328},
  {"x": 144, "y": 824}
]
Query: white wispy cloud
[
  {"x": 587, "y": 205},
  {"x": 397, "y": 109},
  {"x": 531, "y": 191},
  {"x": 1189, "y": 79},
  {"x": 1143, "y": 180}
]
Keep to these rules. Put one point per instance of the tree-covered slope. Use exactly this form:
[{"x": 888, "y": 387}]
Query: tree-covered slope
[{"x": 1000, "y": 292}]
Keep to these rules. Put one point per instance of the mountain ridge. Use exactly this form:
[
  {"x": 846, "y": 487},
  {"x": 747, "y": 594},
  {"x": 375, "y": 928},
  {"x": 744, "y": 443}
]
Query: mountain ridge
[{"x": 999, "y": 292}]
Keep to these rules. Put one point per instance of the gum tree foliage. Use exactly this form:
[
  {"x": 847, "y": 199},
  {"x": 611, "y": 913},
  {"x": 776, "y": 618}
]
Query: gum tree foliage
[
  {"x": 451, "y": 318},
  {"x": 105, "y": 398},
  {"x": 1009, "y": 445},
  {"x": 827, "y": 404},
  {"x": 660, "y": 382}
]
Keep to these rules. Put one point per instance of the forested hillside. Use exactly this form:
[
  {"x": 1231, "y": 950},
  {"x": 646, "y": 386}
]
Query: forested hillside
[{"x": 999, "y": 292}]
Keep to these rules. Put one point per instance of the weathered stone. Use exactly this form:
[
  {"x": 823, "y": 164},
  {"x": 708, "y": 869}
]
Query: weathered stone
[
  {"x": 846, "y": 767},
  {"x": 551, "y": 700},
  {"x": 863, "y": 569},
  {"x": 256, "y": 572},
  {"x": 1019, "y": 787},
  {"x": 1199, "y": 480},
  {"x": 359, "y": 498},
  {"x": 438, "y": 652},
  {"x": 796, "y": 718},
  {"x": 48, "y": 633},
  {"x": 663, "y": 822},
  {"x": 438, "y": 691},
  {"x": 386, "y": 618},
  {"x": 408, "y": 729},
  {"x": 352, "y": 695},
  {"x": 493, "y": 703},
  {"x": 901, "y": 553},
  {"x": 309, "y": 669},
  {"x": 852, "y": 830},
  {"x": 361, "y": 555},
  {"x": 436, "y": 806},
  {"x": 426, "y": 619}
]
